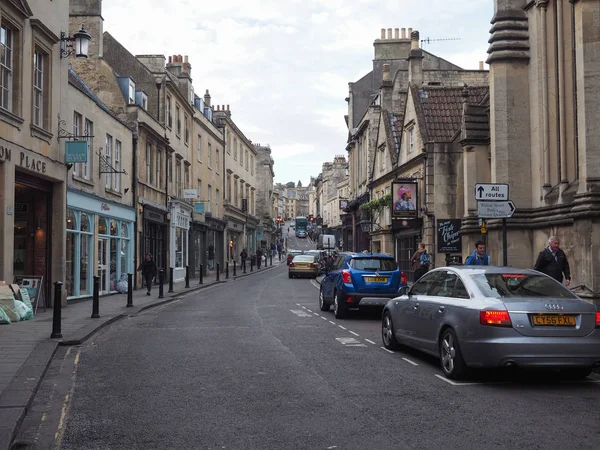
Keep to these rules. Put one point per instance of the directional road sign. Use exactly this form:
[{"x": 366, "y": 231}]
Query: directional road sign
[
  {"x": 495, "y": 210},
  {"x": 486, "y": 191}
]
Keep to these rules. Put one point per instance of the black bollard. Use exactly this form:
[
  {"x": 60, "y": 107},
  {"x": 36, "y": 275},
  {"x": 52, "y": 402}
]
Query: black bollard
[
  {"x": 57, "y": 311},
  {"x": 271, "y": 259},
  {"x": 251, "y": 264},
  {"x": 96, "y": 299},
  {"x": 187, "y": 276},
  {"x": 226, "y": 269},
  {"x": 171, "y": 279},
  {"x": 218, "y": 272},
  {"x": 161, "y": 282},
  {"x": 234, "y": 268},
  {"x": 201, "y": 273},
  {"x": 129, "y": 290}
]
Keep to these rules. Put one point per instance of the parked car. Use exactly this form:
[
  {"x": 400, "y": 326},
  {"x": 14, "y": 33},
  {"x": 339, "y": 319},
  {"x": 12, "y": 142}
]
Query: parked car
[
  {"x": 291, "y": 254},
  {"x": 486, "y": 316},
  {"x": 360, "y": 279},
  {"x": 303, "y": 266}
]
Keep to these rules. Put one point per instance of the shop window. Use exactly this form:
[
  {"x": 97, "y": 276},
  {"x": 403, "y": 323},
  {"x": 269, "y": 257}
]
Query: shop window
[
  {"x": 102, "y": 227},
  {"x": 71, "y": 221},
  {"x": 85, "y": 222},
  {"x": 113, "y": 228},
  {"x": 124, "y": 232},
  {"x": 180, "y": 246}
]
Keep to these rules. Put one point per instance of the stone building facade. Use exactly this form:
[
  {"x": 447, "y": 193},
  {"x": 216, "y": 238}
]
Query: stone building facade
[
  {"x": 264, "y": 192},
  {"x": 545, "y": 131}
]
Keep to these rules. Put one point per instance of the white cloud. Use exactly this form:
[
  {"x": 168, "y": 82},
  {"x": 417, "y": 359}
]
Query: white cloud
[{"x": 283, "y": 66}]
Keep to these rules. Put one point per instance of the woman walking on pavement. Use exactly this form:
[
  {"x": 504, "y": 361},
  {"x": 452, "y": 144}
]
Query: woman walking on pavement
[
  {"x": 148, "y": 269},
  {"x": 420, "y": 261}
]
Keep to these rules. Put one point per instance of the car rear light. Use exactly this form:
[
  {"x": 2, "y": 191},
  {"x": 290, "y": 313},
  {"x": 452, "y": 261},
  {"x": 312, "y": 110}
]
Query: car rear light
[
  {"x": 349, "y": 299},
  {"x": 497, "y": 318},
  {"x": 598, "y": 320},
  {"x": 313, "y": 265},
  {"x": 291, "y": 264},
  {"x": 403, "y": 279},
  {"x": 346, "y": 278}
]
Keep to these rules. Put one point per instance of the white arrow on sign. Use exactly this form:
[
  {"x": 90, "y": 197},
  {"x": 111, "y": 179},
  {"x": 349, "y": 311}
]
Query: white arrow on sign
[
  {"x": 495, "y": 210},
  {"x": 487, "y": 191}
]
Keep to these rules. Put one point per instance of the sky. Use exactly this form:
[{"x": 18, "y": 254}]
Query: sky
[{"x": 283, "y": 66}]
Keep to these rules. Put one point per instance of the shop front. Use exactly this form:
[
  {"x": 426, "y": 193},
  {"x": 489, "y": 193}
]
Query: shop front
[
  {"x": 32, "y": 201},
  {"x": 154, "y": 237},
  {"x": 197, "y": 247},
  {"x": 181, "y": 215},
  {"x": 99, "y": 242},
  {"x": 214, "y": 242},
  {"x": 235, "y": 241},
  {"x": 407, "y": 235}
]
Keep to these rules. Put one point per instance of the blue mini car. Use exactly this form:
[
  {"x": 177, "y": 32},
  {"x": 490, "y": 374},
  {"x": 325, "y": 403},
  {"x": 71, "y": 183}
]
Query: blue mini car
[{"x": 360, "y": 279}]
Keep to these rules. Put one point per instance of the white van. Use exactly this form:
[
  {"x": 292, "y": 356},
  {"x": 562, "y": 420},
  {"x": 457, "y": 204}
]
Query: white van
[{"x": 326, "y": 242}]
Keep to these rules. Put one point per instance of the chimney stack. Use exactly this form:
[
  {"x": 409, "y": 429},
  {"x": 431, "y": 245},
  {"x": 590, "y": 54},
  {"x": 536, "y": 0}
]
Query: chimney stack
[
  {"x": 481, "y": 65},
  {"x": 386, "y": 72},
  {"x": 389, "y": 33},
  {"x": 415, "y": 60},
  {"x": 396, "y": 33},
  {"x": 403, "y": 33},
  {"x": 383, "y": 33},
  {"x": 207, "y": 99}
]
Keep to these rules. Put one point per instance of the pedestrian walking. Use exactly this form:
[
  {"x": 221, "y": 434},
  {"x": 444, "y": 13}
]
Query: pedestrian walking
[
  {"x": 420, "y": 261},
  {"x": 259, "y": 254},
  {"x": 479, "y": 257},
  {"x": 148, "y": 269},
  {"x": 273, "y": 248},
  {"x": 553, "y": 262},
  {"x": 243, "y": 257},
  {"x": 279, "y": 250}
]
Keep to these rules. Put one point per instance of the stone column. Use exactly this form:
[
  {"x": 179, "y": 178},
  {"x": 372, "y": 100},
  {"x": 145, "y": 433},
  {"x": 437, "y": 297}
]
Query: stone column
[{"x": 7, "y": 221}]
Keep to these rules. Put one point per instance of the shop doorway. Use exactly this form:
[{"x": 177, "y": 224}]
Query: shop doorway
[
  {"x": 405, "y": 248},
  {"x": 103, "y": 265},
  {"x": 32, "y": 229}
]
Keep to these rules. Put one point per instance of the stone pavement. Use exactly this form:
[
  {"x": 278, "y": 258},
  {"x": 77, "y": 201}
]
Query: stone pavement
[{"x": 26, "y": 348}]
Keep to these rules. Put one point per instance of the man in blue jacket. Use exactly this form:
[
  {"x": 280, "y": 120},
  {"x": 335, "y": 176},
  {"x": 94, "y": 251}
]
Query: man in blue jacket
[{"x": 479, "y": 257}]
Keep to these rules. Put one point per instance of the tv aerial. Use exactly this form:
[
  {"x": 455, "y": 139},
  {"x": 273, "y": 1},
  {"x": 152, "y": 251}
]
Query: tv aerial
[{"x": 428, "y": 40}]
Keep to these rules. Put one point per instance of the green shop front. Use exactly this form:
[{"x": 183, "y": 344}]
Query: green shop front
[{"x": 99, "y": 242}]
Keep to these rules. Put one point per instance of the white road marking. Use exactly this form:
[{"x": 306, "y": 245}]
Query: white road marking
[
  {"x": 316, "y": 314},
  {"x": 315, "y": 284},
  {"x": 370, "y": 341},
  {"x": 352, "y": 332},
  {"x": 350, "y": 342},
  {"x": 332, "y": 322},
  {"x": 309, "y": 310},
  {"x": 300, "y": 313},
  {"x": 389, "y": 351},
  {"x": 410, "y": 362},
  {"x": 304, "y": 307},
  {"x": 454, "y": 383},
  {"x": 324, "y": 318},
  {"x": 341, "y": 327}
]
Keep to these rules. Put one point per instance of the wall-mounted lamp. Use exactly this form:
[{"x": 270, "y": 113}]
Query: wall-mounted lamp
[
  {"x": 69, "y": 166},
  {"x": 78, "y": 44},
  {"x": 126, "y": 190}
]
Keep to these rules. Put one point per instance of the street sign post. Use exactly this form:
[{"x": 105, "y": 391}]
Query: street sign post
[
  {"x": 495, "y": 210},
  {"x": 491, "y": 192}
]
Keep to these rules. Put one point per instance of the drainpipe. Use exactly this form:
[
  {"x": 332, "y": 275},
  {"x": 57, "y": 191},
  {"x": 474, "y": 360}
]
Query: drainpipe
[{"x": 134, "y": 192}]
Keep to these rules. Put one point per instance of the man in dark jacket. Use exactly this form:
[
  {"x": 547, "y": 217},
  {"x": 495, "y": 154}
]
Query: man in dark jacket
[
  {"x": 148, "y": 269},
  {"x": 243, "y": 257},
  {"x": 553, "y": 262}
]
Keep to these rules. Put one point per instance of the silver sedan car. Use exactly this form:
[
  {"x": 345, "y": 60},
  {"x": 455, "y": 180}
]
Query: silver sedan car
[{"x": 476, "y": 316}]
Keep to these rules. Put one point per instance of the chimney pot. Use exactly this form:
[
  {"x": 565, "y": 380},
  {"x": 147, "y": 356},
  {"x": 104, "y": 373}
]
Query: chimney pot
[
  {"x": 389, "y": 33},
  {"x": 185, "y": 59},
  {"x": 383, "y": 33},
  {"x": 386, "y": 72},
  {"x": 396, "y": 33},
  {"x": 414, "y": 40},
  {"x": 170, "y": 59},
  {"x": 218, "y": 108},
  {"x": 409, "y": 33},
  {"x": 403, "y": 33},
  {"x": 227, "y": 107},
  {"x": 180, "y": 58},
  {"x": 481, "y": 65}
]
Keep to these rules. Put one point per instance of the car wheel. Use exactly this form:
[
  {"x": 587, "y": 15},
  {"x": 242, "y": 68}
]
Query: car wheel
[
  {"x": 451, "y": 359},
  {"x": 339, "y": 309},
  {"x": 323, "y": 306},
  {"x": 387, "y": 332}
]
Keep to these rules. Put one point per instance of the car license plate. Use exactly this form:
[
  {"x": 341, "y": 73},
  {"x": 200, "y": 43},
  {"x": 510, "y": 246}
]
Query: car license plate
[
  {"x": 553, "y": 320},
  {"x": 301, "y": 265},
  {"x": 376, "y": 279}
]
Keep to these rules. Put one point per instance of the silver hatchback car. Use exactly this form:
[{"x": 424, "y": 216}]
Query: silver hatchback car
[{"x": 476, "y": 316}]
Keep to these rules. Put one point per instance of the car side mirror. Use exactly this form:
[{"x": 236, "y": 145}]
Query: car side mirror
[{"x": 403, "y": 291}]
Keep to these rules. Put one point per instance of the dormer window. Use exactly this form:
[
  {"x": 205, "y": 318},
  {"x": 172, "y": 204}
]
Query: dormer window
[
  {"x": 131, "y": 92},
  {"x": 141, "y": 99}
]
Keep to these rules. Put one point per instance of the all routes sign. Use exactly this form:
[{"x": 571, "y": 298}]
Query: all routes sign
[
  {"x": 492, "y": 192},
  {"x": 495, "y": 210}
]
